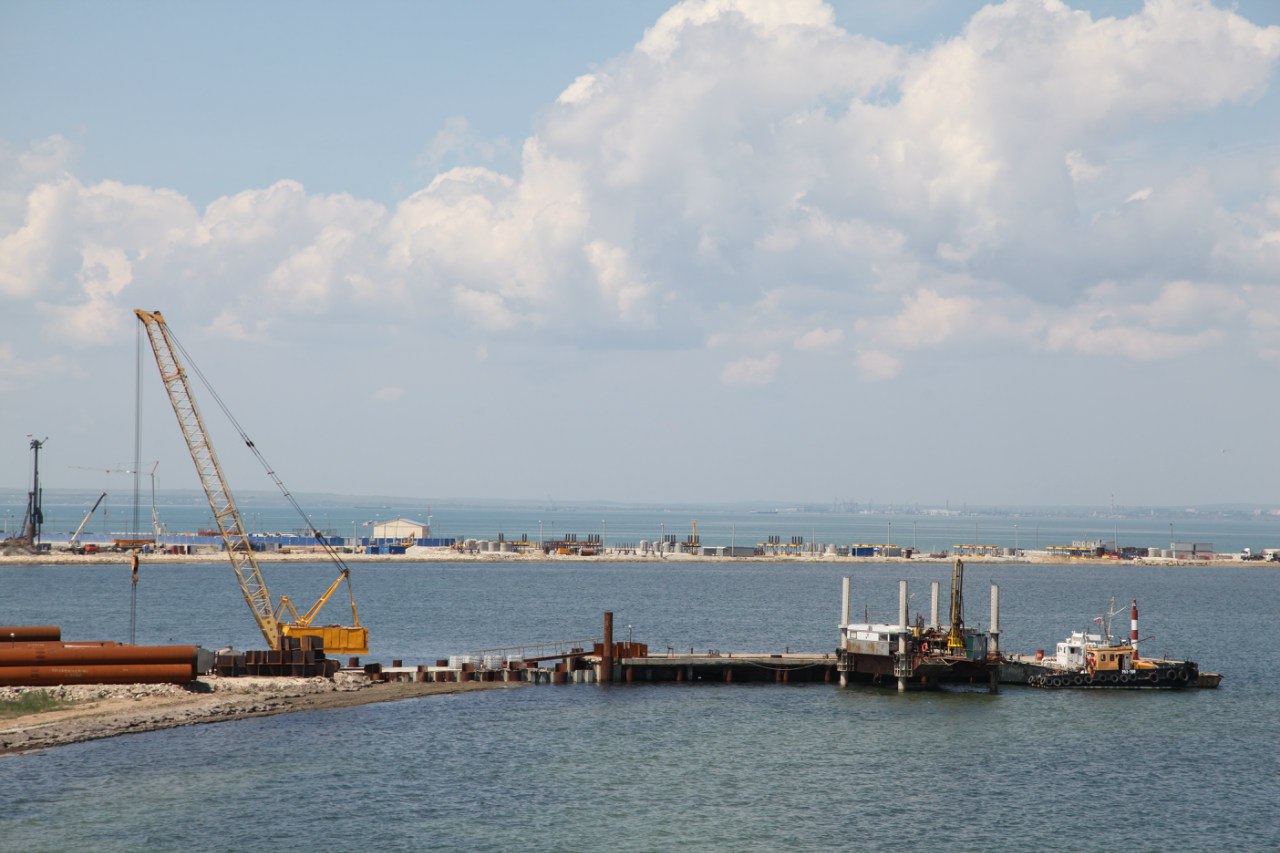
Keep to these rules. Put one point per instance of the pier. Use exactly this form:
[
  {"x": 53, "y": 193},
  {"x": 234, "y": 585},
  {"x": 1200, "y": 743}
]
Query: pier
[{"x": 709, "y": 667}]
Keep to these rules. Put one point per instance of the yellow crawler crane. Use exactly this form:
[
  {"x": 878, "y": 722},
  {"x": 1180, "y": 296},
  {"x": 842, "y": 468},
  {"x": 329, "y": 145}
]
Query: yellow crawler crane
[{"x": 337, "y": 639}]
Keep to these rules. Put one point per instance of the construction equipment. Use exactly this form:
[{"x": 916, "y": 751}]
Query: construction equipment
[
  {"x": 339, "y": 639},
  {"x": 74, "y": 545},
  {"x": 28, "y": 538},
  {"x": 156, "y": 527},
  {"x": 955, "y": 638}
]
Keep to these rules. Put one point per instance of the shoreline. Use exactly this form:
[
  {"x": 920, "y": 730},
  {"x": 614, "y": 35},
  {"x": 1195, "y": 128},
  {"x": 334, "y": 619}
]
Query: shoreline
[
  {"x": 449, "y": 555},
  {"x": 110, "y": 710}
]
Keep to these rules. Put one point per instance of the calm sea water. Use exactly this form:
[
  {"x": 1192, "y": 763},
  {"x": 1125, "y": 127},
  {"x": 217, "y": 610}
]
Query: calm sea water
[{"x": 677, "y": 767}]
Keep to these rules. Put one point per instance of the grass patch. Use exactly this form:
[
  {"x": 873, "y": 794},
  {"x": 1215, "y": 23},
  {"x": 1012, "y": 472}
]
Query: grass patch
[{"x": 31, "y": 702}]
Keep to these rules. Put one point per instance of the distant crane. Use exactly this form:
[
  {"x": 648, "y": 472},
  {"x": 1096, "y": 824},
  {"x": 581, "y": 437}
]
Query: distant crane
[
  {"x": 74, "y": 544},
  {"x": 28, "y": 538},
  {"x": 107, "y": 471},
  {"x": 101, "y": 468},
  {"x": 156, "y": 527}
]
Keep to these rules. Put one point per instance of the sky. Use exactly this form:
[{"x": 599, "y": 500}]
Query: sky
[{"x": 1018, "y": 253}]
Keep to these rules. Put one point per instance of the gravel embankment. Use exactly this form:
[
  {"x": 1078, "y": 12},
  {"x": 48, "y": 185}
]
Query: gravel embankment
[{"x": 107, "y": 710}]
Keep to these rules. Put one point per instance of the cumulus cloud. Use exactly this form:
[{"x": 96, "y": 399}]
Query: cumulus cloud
[
  {"x": 876, "y": 365},
  {"x": 1181, "y": 319},
  {"x": 819, "y": 339},
  {"x": 486, "y": 310},
  {"x": 926, "y": 320},
  {"x": 748, "y": 166},
  {"x": 230, "y": 325},
  {"x": 751, "y": 370}
]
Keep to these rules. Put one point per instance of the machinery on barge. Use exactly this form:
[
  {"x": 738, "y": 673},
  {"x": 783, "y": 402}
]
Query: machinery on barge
[{"x": 921, "y": 655}]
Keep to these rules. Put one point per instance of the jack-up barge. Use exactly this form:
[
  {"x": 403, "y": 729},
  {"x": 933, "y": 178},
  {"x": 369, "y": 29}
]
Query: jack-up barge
[{"x": 921, "y": 655}]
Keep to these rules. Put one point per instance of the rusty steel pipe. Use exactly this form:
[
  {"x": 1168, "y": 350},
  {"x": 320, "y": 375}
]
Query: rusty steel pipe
[
  {"x": 29, "y": 633},
  {"x": 51, "y": 676},
  {"x": 606, "y": 651},
  {"x": 70, "y": 655}
]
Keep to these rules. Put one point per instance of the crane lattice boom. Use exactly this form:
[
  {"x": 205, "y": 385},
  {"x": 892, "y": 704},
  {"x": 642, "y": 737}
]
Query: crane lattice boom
[{"x": 225, "y": 513}]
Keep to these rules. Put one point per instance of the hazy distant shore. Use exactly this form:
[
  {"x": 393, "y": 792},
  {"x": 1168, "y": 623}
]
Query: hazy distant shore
[{"x": 440, "y": 555}]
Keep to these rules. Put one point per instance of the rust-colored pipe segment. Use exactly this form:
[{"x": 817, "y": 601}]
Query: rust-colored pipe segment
[
  {"x": 606, "y": 652},
  {"x": 48, "y": 676},
  {"x": 34, "y": 654},
  {"x": 29, "y": 633}
]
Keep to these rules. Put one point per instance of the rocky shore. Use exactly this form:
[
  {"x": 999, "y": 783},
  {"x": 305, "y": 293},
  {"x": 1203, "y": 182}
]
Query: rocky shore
[{"x": 105, "y": 710}]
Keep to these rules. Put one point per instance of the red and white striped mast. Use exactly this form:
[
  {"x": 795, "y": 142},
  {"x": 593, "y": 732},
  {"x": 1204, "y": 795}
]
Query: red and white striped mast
[{"x": 1133, "y": 628}]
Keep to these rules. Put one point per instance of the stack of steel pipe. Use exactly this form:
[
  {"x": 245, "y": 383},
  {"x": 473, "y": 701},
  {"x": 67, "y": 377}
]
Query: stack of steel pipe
[{"x": 47, "y": 663}]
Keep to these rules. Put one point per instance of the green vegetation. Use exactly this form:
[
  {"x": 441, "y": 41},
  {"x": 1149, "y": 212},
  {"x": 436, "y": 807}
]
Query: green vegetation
[{"x": 31, "y": 702}]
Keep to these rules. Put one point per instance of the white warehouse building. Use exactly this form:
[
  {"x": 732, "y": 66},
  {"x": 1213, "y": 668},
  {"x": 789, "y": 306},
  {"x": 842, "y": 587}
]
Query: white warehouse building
[{"x": 401, "y": 528}]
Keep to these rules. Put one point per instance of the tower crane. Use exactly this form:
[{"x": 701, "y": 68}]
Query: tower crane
[{"x": 340, "y": 639}]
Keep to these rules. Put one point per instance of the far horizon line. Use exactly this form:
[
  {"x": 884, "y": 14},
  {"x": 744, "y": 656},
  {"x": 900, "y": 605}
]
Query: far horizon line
[{"x": 828, "y": 506}]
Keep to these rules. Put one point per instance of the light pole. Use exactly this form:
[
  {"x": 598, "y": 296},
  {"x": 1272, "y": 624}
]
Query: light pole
[
  {"x": 353, "y": 537},
  {"x": 915, "y": 537},
  {"x": 604, "y": 537},
  {"x": 539, "y": 533}
]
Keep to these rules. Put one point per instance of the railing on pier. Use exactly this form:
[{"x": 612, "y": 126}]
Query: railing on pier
[{"x": 550, "y": 650}]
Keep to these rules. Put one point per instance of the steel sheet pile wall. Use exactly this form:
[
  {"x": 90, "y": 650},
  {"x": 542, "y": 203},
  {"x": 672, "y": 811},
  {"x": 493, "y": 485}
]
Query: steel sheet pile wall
[
  {"x": 301, "y": 657},
  {"x": 48, "y": 663}
]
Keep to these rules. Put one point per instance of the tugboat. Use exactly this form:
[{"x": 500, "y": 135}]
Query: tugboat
[{"x": 1095, "y": 660}]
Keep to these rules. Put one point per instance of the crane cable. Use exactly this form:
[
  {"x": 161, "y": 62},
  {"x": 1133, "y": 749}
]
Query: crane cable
[{"x": 320, "y": 538}]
